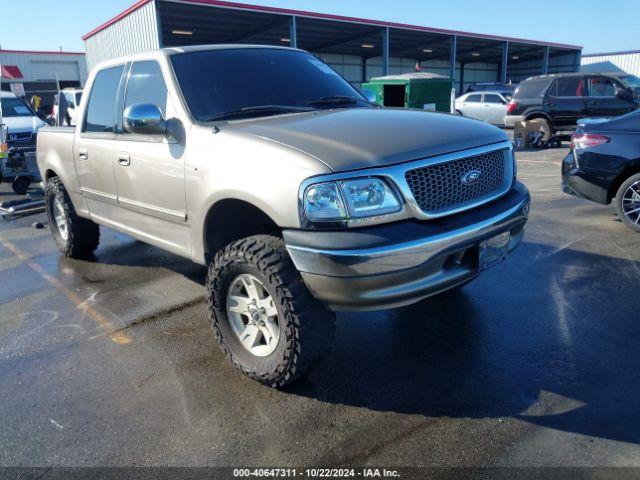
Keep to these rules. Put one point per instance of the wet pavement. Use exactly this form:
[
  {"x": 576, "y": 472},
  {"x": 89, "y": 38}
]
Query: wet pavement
[{"x": 112, "y": 362}]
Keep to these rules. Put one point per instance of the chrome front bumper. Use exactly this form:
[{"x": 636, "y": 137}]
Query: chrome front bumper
[{"x": 401, "y": 263}]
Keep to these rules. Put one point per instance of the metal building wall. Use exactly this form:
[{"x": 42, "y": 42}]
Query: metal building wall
[
  {"x": 519, "y": 71},
  {"x": 26, "y": 61},
  {"x": 134, "y": 33},
  {"x": 626, "y": 61},
  {"x": 349, "y": 66}
]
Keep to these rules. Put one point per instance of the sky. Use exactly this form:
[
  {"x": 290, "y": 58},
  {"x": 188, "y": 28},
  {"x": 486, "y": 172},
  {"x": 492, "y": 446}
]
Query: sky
[{"x": 594, "y": 24}]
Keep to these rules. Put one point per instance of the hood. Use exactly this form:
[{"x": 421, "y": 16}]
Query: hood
[
  {"x": 588, "y": 122},
  {"x": 23, "y": 124},
  {"x": 351, "y": 139}
]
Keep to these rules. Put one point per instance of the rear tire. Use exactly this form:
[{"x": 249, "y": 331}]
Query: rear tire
[
  {"x": 458, "y": 112},
  {"x": 303, "y": 326},
  {"x": 21, "y": 185},
  {"x": 546, "y": 128},
  {"x": 627, "y": 201},
  {"x": 76, "y": 237}
]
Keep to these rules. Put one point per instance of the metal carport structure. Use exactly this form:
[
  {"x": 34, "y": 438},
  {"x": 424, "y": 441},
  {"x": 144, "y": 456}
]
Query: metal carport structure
[{"x": 358, "y": 48}]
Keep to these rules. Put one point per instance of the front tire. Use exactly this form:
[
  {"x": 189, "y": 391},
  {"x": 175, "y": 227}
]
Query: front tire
[
  {"x": 265, "y": 319},
  {"x": 76, "y": 237},
  {"x": 627, "y": 202}
]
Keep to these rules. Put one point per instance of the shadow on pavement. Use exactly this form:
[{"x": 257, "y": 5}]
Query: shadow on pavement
[{"x": 553, "y": 342}]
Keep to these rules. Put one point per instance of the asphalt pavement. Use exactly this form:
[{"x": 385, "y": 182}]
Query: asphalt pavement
[{"x": 111, "y": 362}]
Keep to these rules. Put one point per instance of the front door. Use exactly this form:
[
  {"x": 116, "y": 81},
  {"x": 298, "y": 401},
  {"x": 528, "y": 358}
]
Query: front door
[
  {"x": 602, "y": 101},
  {"x": 495, "y": 109},
  {"x": 149, "y": 169},
  {"x": 93, "y": 146}
]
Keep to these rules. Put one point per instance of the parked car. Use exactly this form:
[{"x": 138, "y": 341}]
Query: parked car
[
  {"x": 565, "y": 98},
  {"x": 490, "y": 107},
  {"x": 604, "y": 165},
  {"x": 23, "y": 126},
  {"x": 301, "y": 196},
  {"x": 504, "y": 89}
]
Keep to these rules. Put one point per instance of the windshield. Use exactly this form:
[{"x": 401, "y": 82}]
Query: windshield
[
  {"x": 14, "y": 107},
  {"x": 632, "y": 82},
  {"x": 217, "y": 82}
]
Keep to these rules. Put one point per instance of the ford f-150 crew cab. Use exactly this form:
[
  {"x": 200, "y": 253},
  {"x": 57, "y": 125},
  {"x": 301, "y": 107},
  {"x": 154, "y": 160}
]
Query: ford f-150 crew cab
[{"x": 300, "y": 195}]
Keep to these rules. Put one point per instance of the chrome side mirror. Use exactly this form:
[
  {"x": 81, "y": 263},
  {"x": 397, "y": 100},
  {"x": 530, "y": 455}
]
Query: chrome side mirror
[
  {"x": 370, "y": 95},
  {"x": 144, "y": 119}
]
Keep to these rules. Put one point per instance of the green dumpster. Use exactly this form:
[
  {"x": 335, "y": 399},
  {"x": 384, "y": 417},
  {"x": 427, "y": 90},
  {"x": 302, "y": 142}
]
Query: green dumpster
[{"x": 421, "y": 90}]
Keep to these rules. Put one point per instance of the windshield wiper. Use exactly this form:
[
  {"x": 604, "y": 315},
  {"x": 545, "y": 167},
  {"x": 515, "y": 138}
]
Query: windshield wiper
[
  {"x": 335, "y": 100},
  {"x": 266, "y": 109}
]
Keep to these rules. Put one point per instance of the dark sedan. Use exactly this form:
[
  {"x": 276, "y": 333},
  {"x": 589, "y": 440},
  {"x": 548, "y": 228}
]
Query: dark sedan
[{"x": 604, "y": 165}]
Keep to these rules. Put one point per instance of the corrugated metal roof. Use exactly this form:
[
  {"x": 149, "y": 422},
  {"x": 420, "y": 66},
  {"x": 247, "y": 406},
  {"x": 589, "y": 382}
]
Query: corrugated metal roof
[
  {"x": 411, "y": 76},
  {"x": 618, "y": 62},
  {"x": 324, "y": 16}
]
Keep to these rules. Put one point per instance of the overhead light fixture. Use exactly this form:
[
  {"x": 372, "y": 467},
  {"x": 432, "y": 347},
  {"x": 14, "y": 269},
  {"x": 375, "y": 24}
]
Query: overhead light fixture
[
  {"x": 182, "y": 32},
  {"x": 285, "y": 40},
  {"x": 427, "y": 50},
  {"x": 515, "y": 57},
  {"x": 367, "y": 45},
  {"x": 475, "y": 54}
]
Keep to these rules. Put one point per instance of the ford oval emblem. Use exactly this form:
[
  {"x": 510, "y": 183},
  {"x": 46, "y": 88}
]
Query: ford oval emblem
[{"x": 471, "y": 177}]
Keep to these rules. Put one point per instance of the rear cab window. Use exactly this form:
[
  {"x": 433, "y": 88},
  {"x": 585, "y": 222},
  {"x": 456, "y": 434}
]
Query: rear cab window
[{"x": 100, "y": 116}]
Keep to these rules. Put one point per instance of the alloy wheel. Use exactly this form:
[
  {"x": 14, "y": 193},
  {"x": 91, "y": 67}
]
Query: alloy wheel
[
  {"x": 60, "y": 218},
  {"x": 253, "y": 315},
  {"x": 631, "y": 203}
]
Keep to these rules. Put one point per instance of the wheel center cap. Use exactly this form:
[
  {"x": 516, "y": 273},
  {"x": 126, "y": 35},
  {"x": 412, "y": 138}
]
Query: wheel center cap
[{"x": 254, "y": 313}]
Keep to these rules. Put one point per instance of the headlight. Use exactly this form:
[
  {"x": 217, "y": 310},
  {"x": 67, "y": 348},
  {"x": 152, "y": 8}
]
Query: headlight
[
  {"x": 350, "y": 199},
  {"x": 322, "y": 202}
]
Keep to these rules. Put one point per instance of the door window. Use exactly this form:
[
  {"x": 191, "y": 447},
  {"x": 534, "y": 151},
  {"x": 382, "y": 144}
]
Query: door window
[
  {"x": 492, "y": 98},
  {"x": 570, "y": 87},
  {"x": 602, "y": 87},
  {"x": 474, "y": 99},
  {"x": 146, "y": 85},
  {"x": 100, "y": 115}
]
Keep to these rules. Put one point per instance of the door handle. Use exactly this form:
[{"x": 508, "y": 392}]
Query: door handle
[
  {"x": 83, "y": 154},
  {"x": 124, "y": 159}
]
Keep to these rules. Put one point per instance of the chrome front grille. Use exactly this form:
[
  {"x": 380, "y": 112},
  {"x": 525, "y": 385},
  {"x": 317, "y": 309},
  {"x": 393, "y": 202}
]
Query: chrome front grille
[{"x": 450, "y": 186}]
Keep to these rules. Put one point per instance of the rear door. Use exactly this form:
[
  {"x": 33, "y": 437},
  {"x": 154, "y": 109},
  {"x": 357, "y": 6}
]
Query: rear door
[
  {"x": 602, "y": 101},
  {"x": 472, "y": 106},
  {"x": 93, "y": 146},
  {"x": 565, "y": 101},
  {"x": 149, "y": 169},
  {"x": 495, "y": 108}
]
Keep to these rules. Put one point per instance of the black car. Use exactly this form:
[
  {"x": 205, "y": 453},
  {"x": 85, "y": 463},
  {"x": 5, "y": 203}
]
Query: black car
[
  {"x": 563, "y": 99},
  {"x": 604, "y": 165},
  {"x": 505, "y": 89}
]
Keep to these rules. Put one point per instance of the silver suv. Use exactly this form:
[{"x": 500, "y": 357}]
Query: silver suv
[{"x": 300, "y": 195}]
